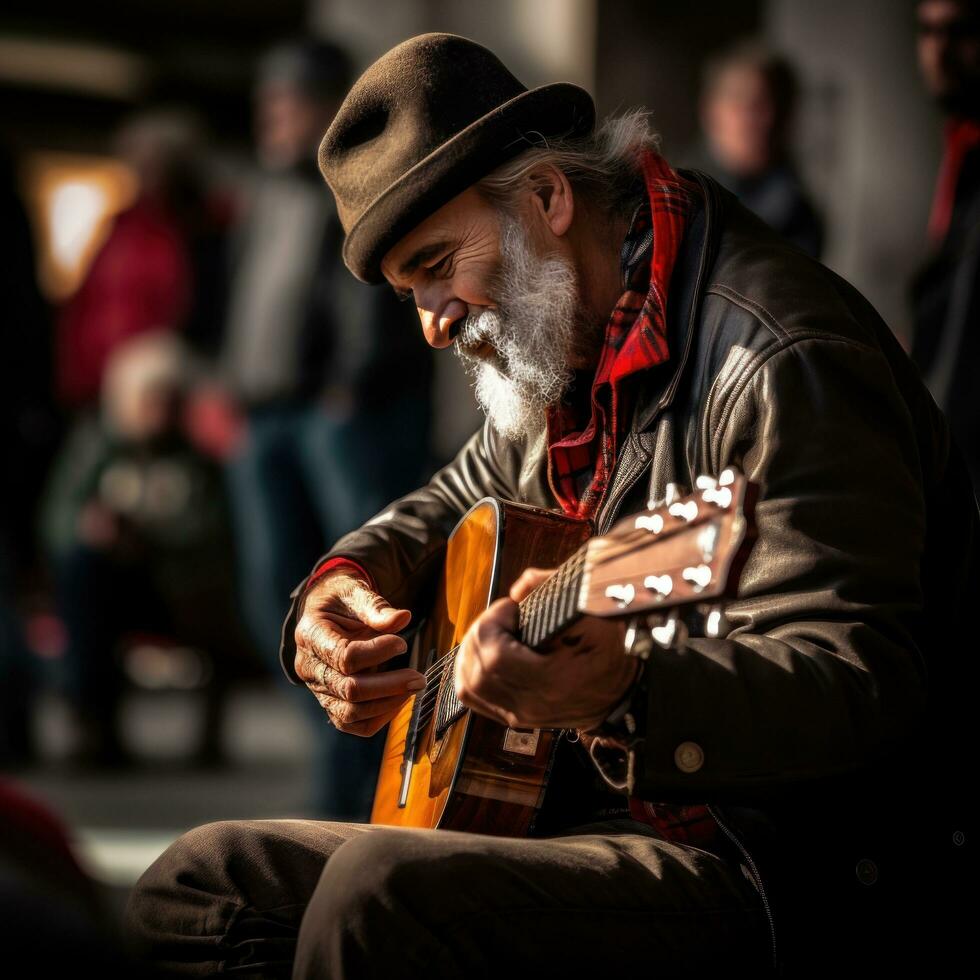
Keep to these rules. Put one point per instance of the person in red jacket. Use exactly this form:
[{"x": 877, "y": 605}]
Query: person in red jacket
[{"x": 141, "y": 279}]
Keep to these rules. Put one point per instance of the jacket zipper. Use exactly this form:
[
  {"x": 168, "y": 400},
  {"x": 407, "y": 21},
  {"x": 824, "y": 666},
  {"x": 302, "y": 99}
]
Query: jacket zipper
[{"x": 758, "y": 881}]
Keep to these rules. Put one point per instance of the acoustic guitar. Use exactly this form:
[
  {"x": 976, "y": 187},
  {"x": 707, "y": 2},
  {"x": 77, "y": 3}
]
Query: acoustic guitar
[{"x": 667, "y": 568}]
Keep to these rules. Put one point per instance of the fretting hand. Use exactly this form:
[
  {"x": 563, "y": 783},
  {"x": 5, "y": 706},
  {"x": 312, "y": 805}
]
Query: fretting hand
[{"x": 574, "y": 682}]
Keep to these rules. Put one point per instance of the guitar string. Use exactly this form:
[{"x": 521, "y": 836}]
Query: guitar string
[
  {"x": 528, "y": 604},
  {"x": 531, "y": 604},
  {"x": 430, "y": 694}
]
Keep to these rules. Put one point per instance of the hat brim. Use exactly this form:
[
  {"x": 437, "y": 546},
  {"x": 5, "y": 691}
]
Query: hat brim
[{"x": 559, "y": 109}]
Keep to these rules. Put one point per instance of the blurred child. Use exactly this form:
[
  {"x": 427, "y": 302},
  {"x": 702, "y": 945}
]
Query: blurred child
[{"x": 136, "y": 527}]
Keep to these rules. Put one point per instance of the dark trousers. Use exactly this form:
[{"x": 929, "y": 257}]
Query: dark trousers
[{"x": 323, "y": 899}]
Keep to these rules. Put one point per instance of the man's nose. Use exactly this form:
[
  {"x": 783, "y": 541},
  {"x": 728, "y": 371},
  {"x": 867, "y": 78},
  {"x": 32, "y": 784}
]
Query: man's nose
[{"x": 440, "y": 327}]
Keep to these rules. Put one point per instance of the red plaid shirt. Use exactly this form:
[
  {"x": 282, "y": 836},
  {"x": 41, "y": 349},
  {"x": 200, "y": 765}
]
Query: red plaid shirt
[{"x": 582, "y": 452}]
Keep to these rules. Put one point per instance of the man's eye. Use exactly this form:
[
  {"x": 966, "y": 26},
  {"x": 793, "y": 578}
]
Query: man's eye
[{"x": 441, "y": 264}]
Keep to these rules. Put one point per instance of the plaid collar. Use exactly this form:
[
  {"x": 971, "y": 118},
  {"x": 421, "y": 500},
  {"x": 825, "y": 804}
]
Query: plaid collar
[{"x": 582, "y": 452}]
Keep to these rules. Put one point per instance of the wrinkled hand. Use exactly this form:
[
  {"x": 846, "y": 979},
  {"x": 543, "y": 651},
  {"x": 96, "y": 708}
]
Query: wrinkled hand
[
  {"x": 346, "y": 631},
  {"x": 574, "y": 682}
]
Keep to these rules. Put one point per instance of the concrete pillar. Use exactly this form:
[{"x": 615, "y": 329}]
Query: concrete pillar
[{"x": 868, "y": 138}]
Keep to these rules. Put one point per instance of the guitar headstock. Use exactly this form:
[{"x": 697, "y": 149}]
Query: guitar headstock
[{"x": 680, "y": 556}]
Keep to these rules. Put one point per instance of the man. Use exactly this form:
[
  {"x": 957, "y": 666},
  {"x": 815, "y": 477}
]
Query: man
[
  {"x": 307, "y": 354},
  {"x": 945, "y": 296},
  {"x": 747, "y": 109},
  {"x": 628, "y": 327}
]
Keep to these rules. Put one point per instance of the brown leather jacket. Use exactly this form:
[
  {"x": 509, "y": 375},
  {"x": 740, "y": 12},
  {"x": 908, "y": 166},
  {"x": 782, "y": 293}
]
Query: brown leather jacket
[{"x": 830, "y": 719}]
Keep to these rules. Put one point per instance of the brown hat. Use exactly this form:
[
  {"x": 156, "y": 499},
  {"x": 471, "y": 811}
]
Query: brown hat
[{"x": 426, "y": 120}]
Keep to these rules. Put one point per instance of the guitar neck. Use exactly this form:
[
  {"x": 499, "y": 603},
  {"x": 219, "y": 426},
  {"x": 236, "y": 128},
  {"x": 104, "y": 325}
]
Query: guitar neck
[{"x": 555, "y": 604}]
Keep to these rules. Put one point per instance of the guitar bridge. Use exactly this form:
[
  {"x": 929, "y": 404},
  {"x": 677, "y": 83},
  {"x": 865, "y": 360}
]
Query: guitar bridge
[{"x": 522, "y": 742}]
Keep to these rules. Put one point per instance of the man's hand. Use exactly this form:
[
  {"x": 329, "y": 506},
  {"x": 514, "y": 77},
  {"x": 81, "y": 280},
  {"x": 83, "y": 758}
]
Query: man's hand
[
  {"x": 574, "y": 682},
  {"x": 346, "y": 631}
]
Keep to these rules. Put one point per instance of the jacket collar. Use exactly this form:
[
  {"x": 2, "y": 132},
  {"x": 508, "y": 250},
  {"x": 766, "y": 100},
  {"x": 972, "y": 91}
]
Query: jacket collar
[{"x": 684, "y": 297}]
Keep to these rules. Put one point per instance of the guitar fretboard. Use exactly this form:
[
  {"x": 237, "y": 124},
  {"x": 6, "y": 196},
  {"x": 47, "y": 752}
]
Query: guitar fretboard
[
  {"x": 545, "y": 612},
  {"x": 554, "y": 604}
]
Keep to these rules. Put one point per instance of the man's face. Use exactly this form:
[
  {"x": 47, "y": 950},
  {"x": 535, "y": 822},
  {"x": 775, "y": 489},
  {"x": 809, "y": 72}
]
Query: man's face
[
  {"x": 949, "y": 53},
  {"x": 491, "y": 282}
]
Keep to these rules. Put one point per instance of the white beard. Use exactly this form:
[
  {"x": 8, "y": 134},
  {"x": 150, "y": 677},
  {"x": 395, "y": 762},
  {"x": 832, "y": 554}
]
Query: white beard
[{"x": 535, "y": 329}]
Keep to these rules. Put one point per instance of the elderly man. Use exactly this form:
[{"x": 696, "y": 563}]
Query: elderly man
[{"x": 780, "y": 798}]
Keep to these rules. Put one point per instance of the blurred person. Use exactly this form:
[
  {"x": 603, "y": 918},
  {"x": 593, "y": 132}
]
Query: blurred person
[
  {"x": 946, "y": 291},
  {"x": 138, "y": 532},
  {"x": 326, "y": 383},
  {"x": 142, "y": 278},
  {"x": 784, "y": 799},
  {"x": 748, "y": 99},
  {"x": 55, "y": 915}
]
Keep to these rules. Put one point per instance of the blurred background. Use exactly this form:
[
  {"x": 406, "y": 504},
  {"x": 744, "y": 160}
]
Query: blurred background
[{"x": 191, "y": 377}]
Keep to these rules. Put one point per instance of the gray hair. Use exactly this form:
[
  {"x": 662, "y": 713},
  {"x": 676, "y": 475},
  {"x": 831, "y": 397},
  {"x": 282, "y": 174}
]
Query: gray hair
[{"x": 603, "y": 165}]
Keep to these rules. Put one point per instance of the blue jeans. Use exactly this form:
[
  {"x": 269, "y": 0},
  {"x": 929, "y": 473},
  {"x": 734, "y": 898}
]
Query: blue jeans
[{"x": 303, "y": 479}]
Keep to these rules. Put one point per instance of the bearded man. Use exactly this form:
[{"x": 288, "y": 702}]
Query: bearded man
[{"x": 781, "y": 801}]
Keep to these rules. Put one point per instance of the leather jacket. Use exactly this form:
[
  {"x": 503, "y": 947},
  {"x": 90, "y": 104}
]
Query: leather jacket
[{"x": 831, "y": 718}]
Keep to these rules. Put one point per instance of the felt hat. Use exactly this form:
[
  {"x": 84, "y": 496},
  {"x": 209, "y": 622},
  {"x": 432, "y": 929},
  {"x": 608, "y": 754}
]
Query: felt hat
[{"x": 424, "y": 122}]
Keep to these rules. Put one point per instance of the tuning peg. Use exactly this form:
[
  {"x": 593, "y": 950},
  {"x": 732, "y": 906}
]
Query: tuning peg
[
  {"x": 727, "y": 477},
  {"x": 716, "y": 623},
  {"x": 639, "y": 640},
  {"x": 622, "y": 594},
  {"x": 673, "y": 632},
  {"x": 653, "y": 522},
  {"x": 705, "y": 482},
  {"x": 698, "y": 575},
  {"x": 663, "y": 585},
  {"x": 722, "y": 497},
  {"x": 672, "y": 492}
]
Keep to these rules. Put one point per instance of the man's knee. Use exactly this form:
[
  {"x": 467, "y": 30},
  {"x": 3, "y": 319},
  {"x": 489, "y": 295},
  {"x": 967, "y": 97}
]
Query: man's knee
[
  {"x": 370, "y": 897},
  {"x": 188, "y": 877},
  {"x": 375, "y": 868}
]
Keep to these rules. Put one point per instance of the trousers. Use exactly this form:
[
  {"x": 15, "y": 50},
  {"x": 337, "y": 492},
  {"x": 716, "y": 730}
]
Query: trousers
[{"x": 303, "y": 899}]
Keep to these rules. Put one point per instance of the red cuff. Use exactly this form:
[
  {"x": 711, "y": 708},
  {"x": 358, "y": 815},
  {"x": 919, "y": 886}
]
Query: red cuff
[{"x": 349, "y": 563}]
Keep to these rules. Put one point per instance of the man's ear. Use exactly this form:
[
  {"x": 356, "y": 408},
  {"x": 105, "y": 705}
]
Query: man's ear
[{"x": 552, "y": 198}]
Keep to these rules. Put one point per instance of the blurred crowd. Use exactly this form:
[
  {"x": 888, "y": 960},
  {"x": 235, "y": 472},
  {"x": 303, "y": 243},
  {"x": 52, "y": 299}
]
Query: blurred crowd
[
  {"x": 219, "y": 399},
  {"x": 215, "y": 403}
]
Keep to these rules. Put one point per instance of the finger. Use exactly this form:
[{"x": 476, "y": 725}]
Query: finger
[
  {"x": 364, "y": 687},
  {"x": 346, "y": 655},
  {"x": 347, "y": 713},
  {"x": 528, "y": 581},
  {"x": 369, "y": 727},
  {"x": 375, "y": 610},
  {"x": 485, "y": 662}
]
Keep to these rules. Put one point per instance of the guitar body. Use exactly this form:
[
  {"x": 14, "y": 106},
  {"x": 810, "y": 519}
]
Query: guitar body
[
  {"x": 475, "y": 774},
  {"x": 663, "y": 569}
]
